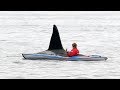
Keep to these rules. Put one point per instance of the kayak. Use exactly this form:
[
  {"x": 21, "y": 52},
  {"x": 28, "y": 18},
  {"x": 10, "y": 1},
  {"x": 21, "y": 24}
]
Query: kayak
[
  {"x": 38, "y": 56},
  {"x": 57, "y": 52}
]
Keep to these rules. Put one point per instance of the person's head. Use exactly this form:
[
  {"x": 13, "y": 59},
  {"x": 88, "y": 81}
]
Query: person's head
[{"x": 74, "y": 45}]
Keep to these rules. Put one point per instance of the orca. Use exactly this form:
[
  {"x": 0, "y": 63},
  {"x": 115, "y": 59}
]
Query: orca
[
  {"x": 55, "y": 46},
  {"x": 55, "y": 42}
]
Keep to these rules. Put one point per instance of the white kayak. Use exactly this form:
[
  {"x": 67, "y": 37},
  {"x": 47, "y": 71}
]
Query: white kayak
[{"x": 57, "y": 57}]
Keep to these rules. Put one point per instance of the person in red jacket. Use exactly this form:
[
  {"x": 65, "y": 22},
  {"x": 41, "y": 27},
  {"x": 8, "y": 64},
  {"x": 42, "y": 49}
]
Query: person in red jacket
[{"x": 74, "y": 51}]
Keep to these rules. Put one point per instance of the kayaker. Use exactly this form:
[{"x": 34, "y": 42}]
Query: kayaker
[{"x": 74, "y": 51}]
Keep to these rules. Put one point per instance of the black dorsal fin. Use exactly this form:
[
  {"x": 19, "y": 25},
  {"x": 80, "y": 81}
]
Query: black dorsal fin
[{"x": 55, "y": 42}]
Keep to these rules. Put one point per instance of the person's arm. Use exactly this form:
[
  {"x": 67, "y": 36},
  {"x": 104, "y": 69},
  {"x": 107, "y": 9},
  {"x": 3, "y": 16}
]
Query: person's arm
[{"x": 71, "y": 53}]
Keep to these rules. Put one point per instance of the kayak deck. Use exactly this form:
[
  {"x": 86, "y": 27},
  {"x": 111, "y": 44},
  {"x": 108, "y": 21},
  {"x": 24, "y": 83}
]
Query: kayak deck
[{"x": 57, "y": 57}]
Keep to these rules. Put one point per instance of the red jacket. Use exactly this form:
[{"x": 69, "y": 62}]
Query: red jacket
[{"x": 73, "y": 52}]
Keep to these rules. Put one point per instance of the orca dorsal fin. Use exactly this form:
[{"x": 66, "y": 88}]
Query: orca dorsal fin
[{"x": 55, "y": 42}]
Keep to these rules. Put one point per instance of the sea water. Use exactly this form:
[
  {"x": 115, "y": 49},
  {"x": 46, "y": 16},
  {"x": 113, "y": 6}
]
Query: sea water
[{"x": 95, "y": 32}]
